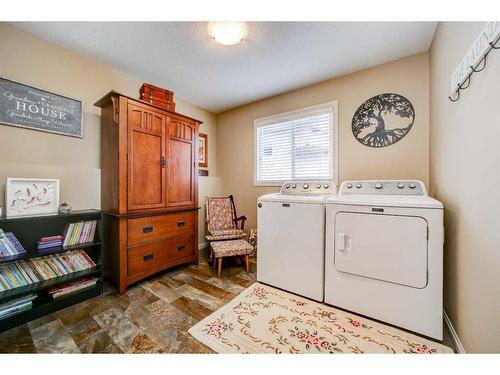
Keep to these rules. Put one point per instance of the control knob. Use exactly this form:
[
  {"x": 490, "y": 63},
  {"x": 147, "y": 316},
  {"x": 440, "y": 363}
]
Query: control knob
[
  {"x": 288, "y": 186},
  {"x": 412, "y": 186},
  {"x": 349, "y": 186},
  {"x": 327, "y": 186},
  {"x": 294, "y": 186},
  {"x": 378, "y": 186},
  {"x": 318, "y": 186},
  {"x": 400, "y": 186},
  {"x": 358, "y": 186}
]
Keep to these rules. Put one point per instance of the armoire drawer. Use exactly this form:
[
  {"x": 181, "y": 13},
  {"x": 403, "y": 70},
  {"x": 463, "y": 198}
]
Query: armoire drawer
[
  {"x": 146, "y": 257},
  {"x": 153, "y": 228},
  {"x": 180, "y": 247},
  {"x": 151, "y": 256}
]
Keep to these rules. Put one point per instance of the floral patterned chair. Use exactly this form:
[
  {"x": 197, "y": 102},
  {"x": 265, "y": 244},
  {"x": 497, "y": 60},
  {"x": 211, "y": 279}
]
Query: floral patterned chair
[{"x": 221, "y": 223}]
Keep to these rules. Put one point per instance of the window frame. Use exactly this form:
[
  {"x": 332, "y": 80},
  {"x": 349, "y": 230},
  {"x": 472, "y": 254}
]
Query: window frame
[{"x": 334, "y": 146}]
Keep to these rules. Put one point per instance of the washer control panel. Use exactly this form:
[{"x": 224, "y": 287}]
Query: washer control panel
[
  {"x": 384, "y": 187},
  {"x": 308, "y": 187}
]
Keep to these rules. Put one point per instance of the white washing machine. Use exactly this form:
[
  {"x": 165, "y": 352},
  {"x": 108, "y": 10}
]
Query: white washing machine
[
  {"x": 291, "y": 232},
  {"x": 384, "y": 254}
]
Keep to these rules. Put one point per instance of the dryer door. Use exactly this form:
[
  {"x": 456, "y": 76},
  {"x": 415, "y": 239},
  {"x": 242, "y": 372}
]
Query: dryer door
[{"x": 390, "y": 248}]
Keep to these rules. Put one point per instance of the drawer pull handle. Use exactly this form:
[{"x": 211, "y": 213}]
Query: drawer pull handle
[
  {"x": 147, "y": 229},
  {"x": 181, "y": 223},
  {"x": 181, "y": 247},
  {"x": 148, "y": 257}
]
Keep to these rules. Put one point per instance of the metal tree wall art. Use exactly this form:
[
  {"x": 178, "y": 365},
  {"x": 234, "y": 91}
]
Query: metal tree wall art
[{"x": 383, "y": 120}]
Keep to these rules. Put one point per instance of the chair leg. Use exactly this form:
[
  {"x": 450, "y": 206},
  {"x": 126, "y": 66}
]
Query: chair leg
[
  {"x": 215, "y": 262},
  {"x": 219, "y": 267},
  {"x": 247, "y": 263}
]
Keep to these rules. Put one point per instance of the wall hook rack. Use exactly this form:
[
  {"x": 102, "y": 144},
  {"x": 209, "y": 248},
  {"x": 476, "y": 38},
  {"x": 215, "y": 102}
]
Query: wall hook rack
[{"x": 474, "y": 69}]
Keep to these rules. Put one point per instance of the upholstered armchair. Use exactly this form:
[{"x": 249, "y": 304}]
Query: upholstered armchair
[{"x": 221, "y": 222}]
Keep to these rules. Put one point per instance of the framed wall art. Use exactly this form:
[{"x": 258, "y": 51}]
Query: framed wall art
[
  {"x": 202, "y": 150},
  {"x": 383, "y": 120},
  {"x": 31, "y": 196},
  {"x": 30, "y": 107}
]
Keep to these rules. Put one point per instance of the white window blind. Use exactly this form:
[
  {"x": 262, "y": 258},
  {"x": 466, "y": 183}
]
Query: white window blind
[{"x": 295, "y": 146}]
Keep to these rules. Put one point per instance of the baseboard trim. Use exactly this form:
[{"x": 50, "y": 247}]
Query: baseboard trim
[
  {"x": 202, "y": 245},
  {"x": 454, "y": 335}
]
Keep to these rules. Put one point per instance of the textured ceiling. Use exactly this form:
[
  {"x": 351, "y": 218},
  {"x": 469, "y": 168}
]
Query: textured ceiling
[{"x": 276, "y": 57}]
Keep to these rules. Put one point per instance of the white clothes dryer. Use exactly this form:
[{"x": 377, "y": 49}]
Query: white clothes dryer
[{"x": 384, "y": 254}]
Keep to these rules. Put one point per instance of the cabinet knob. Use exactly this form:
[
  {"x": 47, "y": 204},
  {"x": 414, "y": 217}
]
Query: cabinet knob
[
  {"x": 163, "y": 162},
  {"x": 181, "y": 223},
  {"x": 181, "y": 247},
  {"x": 148, "y": 257}
]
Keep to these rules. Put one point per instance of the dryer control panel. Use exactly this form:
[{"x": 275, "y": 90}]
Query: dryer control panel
[
  {"x": 308, "y": 187},
  {"x": 384, "y": 187}
]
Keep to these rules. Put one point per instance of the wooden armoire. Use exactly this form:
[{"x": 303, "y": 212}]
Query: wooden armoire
[{"x": 149, "y": 188}]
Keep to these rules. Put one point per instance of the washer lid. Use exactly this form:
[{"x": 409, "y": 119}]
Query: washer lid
[
  {"x": 414, "y": 201},
  {"x": 311, "y": 199}
]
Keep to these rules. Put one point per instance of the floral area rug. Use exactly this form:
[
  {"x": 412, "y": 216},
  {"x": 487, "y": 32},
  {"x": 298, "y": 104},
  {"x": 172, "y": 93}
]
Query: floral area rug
[{"x": 263, "y": 319}]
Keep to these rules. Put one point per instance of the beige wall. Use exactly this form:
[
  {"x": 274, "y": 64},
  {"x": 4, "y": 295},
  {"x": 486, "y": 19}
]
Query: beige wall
[
  {"x": 408, "y": 158},
  {"x": 465, "y": 175},
  {"x": 76, "y": 162}
]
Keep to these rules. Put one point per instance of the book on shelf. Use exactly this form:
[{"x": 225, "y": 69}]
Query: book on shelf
[
  {"x": 25, "y": 272},
  {"x": 80, "y": 233},
  {"x": 9, "y": 245},
  {"x": 49, "y": 243},
  {"x": 16, "y": 306},
  {"x": 73, "y": 287}
]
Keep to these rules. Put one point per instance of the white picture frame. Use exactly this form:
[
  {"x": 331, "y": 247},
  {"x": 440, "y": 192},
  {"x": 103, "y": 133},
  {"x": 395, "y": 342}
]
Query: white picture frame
[{"x": 31, "y": 196}]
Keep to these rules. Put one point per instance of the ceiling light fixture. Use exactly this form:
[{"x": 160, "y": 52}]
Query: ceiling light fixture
[{"x": 228, "y": 33}]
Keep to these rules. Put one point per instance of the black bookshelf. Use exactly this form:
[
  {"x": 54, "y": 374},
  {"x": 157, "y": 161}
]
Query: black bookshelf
[{"x": 28, "y": 230}]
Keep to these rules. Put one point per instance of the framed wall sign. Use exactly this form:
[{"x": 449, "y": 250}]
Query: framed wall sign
[
  {"x": 31, "y": 196},
  {"x": 203, "y": 150},
  {"x": 30, "y": 107}
]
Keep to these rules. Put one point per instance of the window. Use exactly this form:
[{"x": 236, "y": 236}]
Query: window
[{"x": 297, "y": 145}]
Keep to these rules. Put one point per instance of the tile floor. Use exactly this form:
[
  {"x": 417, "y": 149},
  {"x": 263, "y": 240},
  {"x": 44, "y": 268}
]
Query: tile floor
[{"x": 152, "y": 317}]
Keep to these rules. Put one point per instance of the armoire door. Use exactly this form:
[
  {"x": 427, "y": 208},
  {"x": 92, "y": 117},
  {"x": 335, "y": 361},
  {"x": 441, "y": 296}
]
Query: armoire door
[
  {"x": 146, "y": 158},
  {"x": 181, "y": 167}
]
